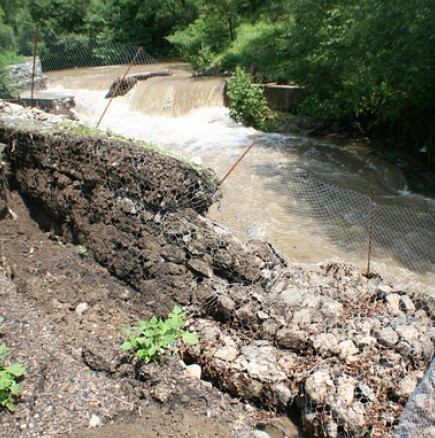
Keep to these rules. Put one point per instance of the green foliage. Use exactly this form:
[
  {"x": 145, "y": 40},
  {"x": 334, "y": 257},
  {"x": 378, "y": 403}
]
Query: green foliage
[
  {"x": 199, "y": 41},
  {"x": 137, "y": 22},
  {"x": 9, "y": 387},
  {"x": 82, "y": 250},
  {"x": 367, "y": 65},
  {"x": 150, "y": 337},
  {"x": 59, "y": 16},
  {"x": 8, "y": 87},
  {"x": 247, "y": 102},
  {"x": 255, "y": 48}
]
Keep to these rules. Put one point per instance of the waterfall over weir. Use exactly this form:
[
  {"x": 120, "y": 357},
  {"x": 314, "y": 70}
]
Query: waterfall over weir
[{"x": 175, "y": 95}]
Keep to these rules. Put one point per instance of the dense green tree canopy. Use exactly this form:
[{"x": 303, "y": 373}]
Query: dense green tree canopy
[{"x": 368, "y": 65}]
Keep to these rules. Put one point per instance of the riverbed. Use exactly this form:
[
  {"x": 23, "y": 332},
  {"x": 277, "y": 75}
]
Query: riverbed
[{"x": 312, "y": 198}]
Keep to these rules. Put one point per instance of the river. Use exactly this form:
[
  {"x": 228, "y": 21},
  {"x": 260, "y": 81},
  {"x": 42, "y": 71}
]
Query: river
[{"x": 309, "y": 197}]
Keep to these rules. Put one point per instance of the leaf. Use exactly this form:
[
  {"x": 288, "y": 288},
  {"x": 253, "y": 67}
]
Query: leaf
[
  {"x": 126, "y": 345},
  {"x": 10, "y": 405},
  {"x": 190, "y": 338},
  {"x": 16, "y": 369},
  {"x": 168, "y": 339},
  {"x": 154, "y": 320},
  {"x": 5, "y": 382},
  {"x": 141, "y": 353},
  {"x": 3, "y": 351},
  {"x": 175, "y": 323},
  {"x": 16, "y": 389}
]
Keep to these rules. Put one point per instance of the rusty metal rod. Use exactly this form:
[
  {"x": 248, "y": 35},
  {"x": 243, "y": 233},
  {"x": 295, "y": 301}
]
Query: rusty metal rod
[
  {"x": 238, "y": 161},
  {"x": 35, "y": 49},
  {"x": 119, "y": 85},
  {"x": 371, "y": 230}
]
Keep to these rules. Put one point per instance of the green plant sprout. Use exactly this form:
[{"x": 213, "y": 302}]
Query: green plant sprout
[
  {"x": 82, "y": 250},
  {"x": 152, "y": 336},
  {"x": 9, "y": 387}
]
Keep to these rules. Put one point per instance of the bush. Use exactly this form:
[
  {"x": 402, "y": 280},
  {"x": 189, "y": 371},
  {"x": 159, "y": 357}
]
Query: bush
[
  {"x": 8, "y": 87},
  {"x": 247, "y": 102}
]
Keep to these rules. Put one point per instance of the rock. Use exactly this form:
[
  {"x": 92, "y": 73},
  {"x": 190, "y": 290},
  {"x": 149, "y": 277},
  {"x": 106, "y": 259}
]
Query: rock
[
  {"x": 127, "y": 206},
  {"x": 362, "y": 341},
  {"x": 227, "y": 353},
  {"x": 262, "y": 364},
  {"x": 246, "y": 315},
  {"x": 173, "y": 254},
  {"x": 304, "y": 316},
  {"x": 209, "y": 333},
  {"x": 81, "y": 308},
  {"x": 384, "y": 289},
  {"x": 351, "y": 417},
  {"x": 262, "y": 315},
  {"x": 365, "y": 393},
  {"x": 95, "y": 421},
  {"x": 346, "y": 348},
  {"x": 311, "y": 301},
  {"x": 227, "y": 304},
  {"x": 292, "y": 297},
  {"x": 320, "y": 387},
  {"x": 257, "y": 433},
  {"x": 406, "y": 386},
  {"x": 407, "y": 305},
  {"x": 408, "y": 333},
  {"x": 240, "y": 364},
  {"x": 346, "y": 389},
  {"x": 291, "y": 338},
  {"x": 325, "y": 344},
  {"x": 331, "y": 429},
  {"x": 332, "y": 308},
  {"x": 200, "y": 267},
  {"x": 193, "y": 371},
  {"x": 392, "y": 302},
  {"x": 387, "y": 336},
  {"x": 287, "y": 363}
]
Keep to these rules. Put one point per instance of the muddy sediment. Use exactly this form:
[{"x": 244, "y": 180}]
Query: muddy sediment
[{"x": 343, "y": 351}]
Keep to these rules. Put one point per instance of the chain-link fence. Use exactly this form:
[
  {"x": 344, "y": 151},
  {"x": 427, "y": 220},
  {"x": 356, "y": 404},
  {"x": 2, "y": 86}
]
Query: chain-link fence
[{"x": 60, "y": 52}]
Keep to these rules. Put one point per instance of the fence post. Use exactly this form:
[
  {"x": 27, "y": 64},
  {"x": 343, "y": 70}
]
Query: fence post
[
  {"x": 119, "y": 85},
  {"x": 371, "y": 230},
  {"x": 35, "y": 50}
]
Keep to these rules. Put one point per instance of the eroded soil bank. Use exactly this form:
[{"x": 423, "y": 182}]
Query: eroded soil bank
[{"x": 342, "y": 351}]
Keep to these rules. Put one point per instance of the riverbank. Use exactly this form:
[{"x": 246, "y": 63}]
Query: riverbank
[{"x": 336, "y": 349}]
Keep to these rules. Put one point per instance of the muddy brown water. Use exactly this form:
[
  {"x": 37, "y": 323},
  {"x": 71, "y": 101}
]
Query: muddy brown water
[{"x": 186, "y": 115}]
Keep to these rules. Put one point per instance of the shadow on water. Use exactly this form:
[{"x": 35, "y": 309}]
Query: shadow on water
[{"x": 329, "y": 190}]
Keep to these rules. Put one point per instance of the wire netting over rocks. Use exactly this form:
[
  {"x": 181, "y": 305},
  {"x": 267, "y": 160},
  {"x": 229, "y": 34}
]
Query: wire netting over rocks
[{"x": 347, "y": 351}]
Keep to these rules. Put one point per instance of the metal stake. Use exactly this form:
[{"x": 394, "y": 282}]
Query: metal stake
[
  {"x": 35, "y": 49},
  {"x": 371, "y": 230},
  {"x": 238, "y": 161},
  {"x": 118, "y": 85}
]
